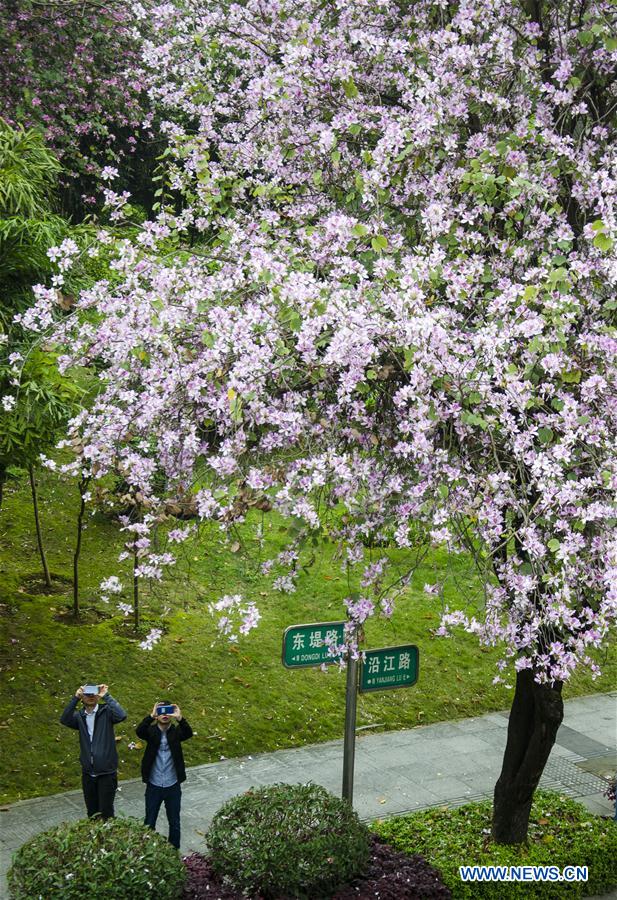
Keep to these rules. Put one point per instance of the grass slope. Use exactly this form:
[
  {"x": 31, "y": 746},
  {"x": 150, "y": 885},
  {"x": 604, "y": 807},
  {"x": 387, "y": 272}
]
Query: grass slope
[{"x": 239, "y": 699}]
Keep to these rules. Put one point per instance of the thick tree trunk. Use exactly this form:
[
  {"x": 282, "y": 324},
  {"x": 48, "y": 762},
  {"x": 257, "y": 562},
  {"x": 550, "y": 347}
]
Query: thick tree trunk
[
  {"x": 535, "y": 717},
  {"x": 37, "y": 523}
]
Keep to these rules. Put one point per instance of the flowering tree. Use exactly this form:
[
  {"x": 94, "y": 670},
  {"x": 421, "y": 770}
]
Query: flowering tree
[{"x": 389, "y": 313}]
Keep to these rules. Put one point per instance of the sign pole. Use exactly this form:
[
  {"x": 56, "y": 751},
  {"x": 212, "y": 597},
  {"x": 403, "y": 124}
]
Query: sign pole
[{"x": 349, "y": 746}]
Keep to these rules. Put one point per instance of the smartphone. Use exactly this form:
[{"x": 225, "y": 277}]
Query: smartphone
[
  {"x": 91, "y": 689},
  {"x": 165, "y": 710}
]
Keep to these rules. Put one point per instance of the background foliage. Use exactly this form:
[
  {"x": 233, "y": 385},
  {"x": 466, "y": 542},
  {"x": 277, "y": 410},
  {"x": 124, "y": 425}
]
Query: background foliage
[{"x": 70, "y": 69}]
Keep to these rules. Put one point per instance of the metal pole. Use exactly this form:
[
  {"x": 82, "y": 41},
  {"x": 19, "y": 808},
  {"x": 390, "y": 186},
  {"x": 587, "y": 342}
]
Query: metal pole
[{"x": 349, "y": 746}]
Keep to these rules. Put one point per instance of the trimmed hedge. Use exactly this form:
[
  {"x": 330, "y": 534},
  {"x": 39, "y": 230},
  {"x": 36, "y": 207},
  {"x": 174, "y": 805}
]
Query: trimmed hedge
[
  {"x": 561, "y": 833},
  {"x": 113, "y": 860},
  {"x": 290, "y": 840}
]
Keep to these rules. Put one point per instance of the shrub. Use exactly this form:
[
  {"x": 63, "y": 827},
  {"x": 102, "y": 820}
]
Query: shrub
[
  {"x": 111, "y": 860},
  {"x": 292, "y": 840},
  {"x": 561, "y": 833}
]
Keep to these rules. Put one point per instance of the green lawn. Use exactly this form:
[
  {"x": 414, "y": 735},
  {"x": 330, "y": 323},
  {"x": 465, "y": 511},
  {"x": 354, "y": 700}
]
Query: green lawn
[
  {"x": 239, "y": 699},
  {"x": 561, "y": 833}
]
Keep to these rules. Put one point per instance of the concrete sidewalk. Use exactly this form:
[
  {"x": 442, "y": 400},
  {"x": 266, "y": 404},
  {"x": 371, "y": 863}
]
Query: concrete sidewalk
[{"x": 431, "y": 765}]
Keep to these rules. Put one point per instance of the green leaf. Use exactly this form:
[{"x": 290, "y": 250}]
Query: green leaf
[
  {"x": 571, "y": 377},
  {"x": 603, "y": 242},
  {"x": 359, "y": 230},
  {"x": 295, "y": 321},
  {"x": 473, "y": 419},
  {"x": 559, "y": 274},
  {"x": 349, "y": 86},
  {"x": 545, "y": 435},
  {"x": 235, "y": 407},
  {"x": 553, "y": 545},
  {"x": 405, "y": 152},
  {"x": 379, "y": 242}
]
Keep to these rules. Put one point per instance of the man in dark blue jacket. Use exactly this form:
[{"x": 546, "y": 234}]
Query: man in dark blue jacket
[
  {"x": 162, "y": 766},
  {"x": 98, "y": 755}
]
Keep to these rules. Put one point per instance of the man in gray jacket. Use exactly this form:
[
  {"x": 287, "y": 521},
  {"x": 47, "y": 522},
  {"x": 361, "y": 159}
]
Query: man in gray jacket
[{"x": 98, "y": 754}]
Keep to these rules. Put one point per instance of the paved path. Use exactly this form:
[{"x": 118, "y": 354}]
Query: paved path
[{"x": 431, "y": 765}]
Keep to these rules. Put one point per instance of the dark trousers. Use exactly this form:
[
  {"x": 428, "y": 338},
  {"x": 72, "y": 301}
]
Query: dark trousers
[
  {"x": 99, "y": 792},
  {"x": 171, "y": 797}
]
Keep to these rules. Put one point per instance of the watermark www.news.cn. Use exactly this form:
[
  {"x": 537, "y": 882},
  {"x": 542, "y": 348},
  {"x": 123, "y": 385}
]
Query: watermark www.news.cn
[{"x": 523, "y": 873}]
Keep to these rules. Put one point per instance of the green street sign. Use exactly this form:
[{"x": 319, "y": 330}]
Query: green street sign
[
  {"x": 307, "y": 645},
  {"x": 391, "y": 667}
]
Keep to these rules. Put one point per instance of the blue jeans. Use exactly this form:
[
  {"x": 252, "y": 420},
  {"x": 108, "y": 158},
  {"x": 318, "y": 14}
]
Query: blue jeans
[{"x": 171, "y": 797}]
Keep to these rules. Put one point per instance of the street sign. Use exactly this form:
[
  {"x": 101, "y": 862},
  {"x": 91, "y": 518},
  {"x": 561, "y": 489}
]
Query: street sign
[
  {"x": 390, "y": 667},
  {"x": 307, "y": 645}
]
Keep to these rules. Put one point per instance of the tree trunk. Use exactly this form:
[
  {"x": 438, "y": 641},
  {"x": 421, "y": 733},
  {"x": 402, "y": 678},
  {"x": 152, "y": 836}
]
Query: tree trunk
[
  {"x": 80, "y": 525},
  {"x": 37, "y": 522},
  {"x": 135, "y": 587},
  {"x": 535, "y": 717}
]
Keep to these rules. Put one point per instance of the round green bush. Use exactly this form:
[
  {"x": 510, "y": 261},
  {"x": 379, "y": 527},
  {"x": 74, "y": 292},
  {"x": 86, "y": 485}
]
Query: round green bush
[
  {"x": 288, "y": 840},
  {"x": 113, "y": 860},
  {"x": 561, "y": 833}
]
